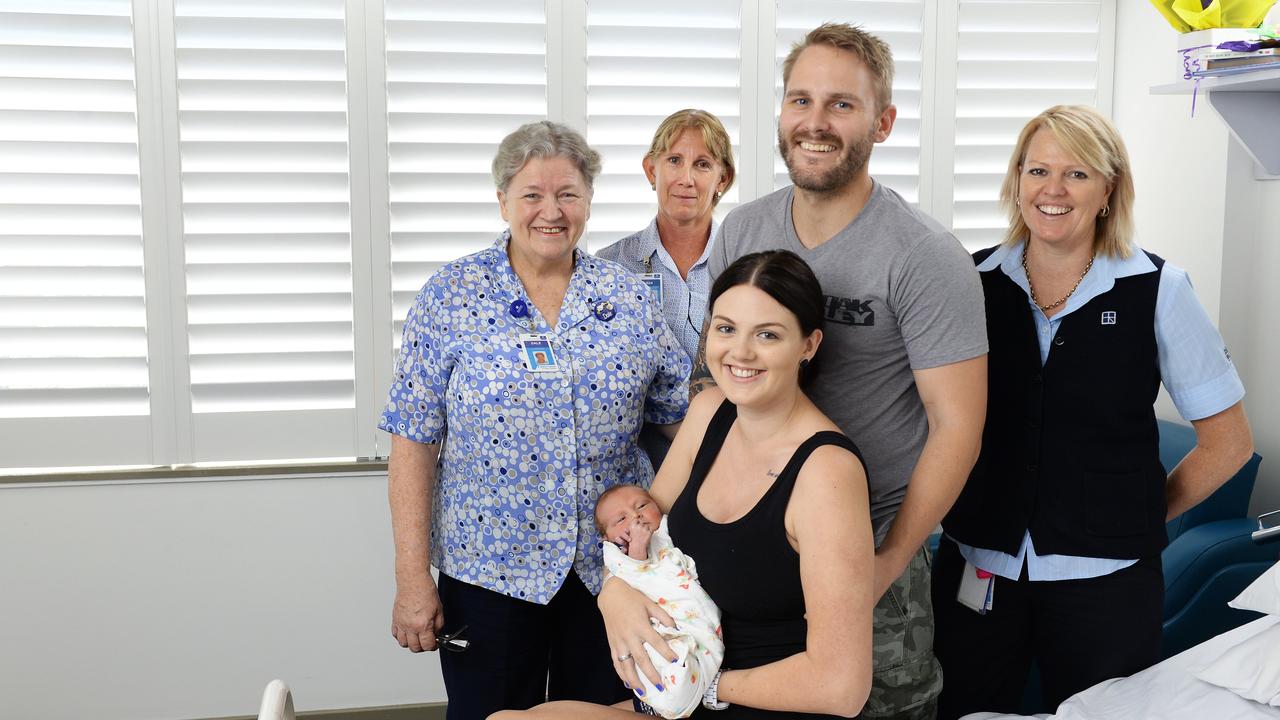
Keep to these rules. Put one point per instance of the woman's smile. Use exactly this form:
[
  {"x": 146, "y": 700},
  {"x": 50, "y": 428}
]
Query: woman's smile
[{"x": 743, "y": 373}]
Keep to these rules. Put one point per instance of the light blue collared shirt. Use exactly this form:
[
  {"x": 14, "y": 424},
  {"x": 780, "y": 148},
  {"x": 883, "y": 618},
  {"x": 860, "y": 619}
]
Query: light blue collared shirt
[
  {"x": 1194, "y": 367},
  {"x": 684, "y": 302}
]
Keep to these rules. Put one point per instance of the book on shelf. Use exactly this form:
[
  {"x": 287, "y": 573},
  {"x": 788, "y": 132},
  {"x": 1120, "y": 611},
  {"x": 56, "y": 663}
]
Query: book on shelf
[
  {"x": 1239, "y": 70},
  {"x": 1267, "y": 56},
  {"x": 1209, "y": 62}
]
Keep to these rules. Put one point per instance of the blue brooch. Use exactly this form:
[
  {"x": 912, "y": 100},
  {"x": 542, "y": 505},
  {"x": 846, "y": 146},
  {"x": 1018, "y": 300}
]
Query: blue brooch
[
  {"x": 518, "y": 309},
  {"x": 605, "y": 311}
]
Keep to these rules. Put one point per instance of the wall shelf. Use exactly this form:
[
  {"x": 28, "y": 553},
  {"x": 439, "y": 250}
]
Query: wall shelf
[{"x": 1249, "y": 103}]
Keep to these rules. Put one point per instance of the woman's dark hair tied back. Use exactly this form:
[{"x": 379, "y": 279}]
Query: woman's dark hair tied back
[{"x": 786, "y": 278}]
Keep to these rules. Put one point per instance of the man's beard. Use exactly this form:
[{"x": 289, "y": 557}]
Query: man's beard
[{"x": 837, "y": 177}]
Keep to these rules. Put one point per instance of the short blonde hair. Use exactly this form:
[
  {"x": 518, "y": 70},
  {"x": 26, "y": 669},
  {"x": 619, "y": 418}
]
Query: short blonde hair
[
  {"x": 1092, "y": 140},
  {"x": 871, "y": 50},
  {"x": 714, "y": 136}
]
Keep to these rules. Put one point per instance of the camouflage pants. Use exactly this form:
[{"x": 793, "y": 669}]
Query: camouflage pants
[{"x": 905, "y": 677}]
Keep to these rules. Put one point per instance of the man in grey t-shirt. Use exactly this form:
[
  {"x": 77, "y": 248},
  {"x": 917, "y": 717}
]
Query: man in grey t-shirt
[{"x": 902, "y": 366}]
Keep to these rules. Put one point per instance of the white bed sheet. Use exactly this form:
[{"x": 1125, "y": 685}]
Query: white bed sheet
[{"x": 1168, "y": 690}]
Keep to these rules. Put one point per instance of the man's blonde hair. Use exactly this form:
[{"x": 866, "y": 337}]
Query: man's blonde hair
[{"x": 871, "y": 50}]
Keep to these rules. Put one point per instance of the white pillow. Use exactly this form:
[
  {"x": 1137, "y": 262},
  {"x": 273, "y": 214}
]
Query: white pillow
[
  {"x": 1263, "y": 595},
  {"x": 1250, "y": 669}
]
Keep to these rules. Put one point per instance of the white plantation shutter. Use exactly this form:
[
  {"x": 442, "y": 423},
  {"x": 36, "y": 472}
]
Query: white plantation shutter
[
  {"x": 460, "y": 77},
  {"x": 644, "y": 62},
  {"x": 200, "y": 243},
  {"x": 1015, "y": 59},
  {"x": 265, "y": 208},
  {"x": 73, "y": 345},
  {"x": 901, "y": 23}
]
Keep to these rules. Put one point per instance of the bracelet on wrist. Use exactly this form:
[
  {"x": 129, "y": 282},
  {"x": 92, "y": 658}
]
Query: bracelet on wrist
[{"x": 711, "y": 699}]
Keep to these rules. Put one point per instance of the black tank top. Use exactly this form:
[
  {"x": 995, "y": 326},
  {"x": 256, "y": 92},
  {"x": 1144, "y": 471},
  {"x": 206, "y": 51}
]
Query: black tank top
[{"x": 747, "y": 566}]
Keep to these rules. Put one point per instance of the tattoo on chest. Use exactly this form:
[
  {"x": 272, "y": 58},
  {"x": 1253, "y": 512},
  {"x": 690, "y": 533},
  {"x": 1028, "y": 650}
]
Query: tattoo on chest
[{"x": 700, "y": 379}]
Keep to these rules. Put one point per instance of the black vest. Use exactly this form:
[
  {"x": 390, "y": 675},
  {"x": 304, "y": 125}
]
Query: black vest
[{"x": 1071, "y": 450}]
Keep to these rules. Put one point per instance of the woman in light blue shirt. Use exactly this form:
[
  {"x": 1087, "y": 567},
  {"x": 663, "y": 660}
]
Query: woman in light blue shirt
[
  {"x": 524, "y": 375},
  {"x": 690, "y": 166}
]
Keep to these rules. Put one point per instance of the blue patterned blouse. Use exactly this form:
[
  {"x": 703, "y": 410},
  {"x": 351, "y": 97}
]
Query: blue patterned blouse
[{"x": 528, "y": 453}]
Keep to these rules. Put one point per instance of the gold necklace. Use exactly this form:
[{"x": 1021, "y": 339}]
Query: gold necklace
[{"x": 1050, "y": 306}]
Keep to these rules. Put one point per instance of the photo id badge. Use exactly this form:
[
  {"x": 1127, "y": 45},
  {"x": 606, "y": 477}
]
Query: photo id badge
[
  {"x": 654, "y": 281},
  {"x": 538, "y": 355}
]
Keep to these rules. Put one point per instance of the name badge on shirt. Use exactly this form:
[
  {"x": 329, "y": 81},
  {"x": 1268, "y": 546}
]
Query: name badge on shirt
[
  {"x": 654, "y": 281},
  {"x": 977, "y": 589},
  {"x": 539, "y": 356}
]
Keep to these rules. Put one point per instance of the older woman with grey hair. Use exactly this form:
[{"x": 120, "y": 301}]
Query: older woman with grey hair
[{"x": 539, "y": 363}]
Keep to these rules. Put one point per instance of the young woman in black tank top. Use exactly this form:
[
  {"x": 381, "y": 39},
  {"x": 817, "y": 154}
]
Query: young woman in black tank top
[{"x": 770, "y": 500}]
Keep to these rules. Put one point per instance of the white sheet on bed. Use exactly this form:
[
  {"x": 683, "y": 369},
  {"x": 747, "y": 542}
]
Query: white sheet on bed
[{"x": 1168, "y": 690}]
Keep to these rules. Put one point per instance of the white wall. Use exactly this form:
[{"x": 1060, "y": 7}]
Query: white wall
[
  {"x": 1199, "y": 206},
  {"x": 183, "y": 599},
  {"x": 1250, "y": 297}
]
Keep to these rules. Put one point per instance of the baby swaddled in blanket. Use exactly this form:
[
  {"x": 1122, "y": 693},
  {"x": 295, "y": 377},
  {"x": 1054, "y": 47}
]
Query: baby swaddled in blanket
[{"x": 639, "y": 551}]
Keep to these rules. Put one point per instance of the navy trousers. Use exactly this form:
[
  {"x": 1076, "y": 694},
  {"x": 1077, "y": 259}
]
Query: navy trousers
[
  {"x": 1079, "y": 632},
  {"x": 522, "y": 654}
]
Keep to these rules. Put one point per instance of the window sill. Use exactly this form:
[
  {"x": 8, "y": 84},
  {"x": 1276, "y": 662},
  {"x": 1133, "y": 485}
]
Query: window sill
[{"x": 162, "y": 473}]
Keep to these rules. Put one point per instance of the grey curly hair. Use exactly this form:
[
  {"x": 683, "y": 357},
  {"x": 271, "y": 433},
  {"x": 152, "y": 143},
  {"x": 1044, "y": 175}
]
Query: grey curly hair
[{"x": 543, "y": 139}]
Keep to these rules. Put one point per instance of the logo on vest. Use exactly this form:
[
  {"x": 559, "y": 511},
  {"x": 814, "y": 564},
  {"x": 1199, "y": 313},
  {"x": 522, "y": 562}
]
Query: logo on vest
[
  {"x": 1109, "y": 317},
  {"x": 846, "y": 311}
]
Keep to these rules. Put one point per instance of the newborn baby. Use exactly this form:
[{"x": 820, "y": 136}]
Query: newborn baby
[{"x": 639, "y": 551}]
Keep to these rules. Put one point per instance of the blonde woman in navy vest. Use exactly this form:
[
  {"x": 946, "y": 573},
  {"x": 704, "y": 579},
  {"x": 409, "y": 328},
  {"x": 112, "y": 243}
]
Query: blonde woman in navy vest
[{"x": 1063, "y": 515}]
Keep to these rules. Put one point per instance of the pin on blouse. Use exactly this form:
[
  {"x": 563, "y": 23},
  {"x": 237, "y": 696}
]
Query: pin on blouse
[{"x": 603, "y": 310}]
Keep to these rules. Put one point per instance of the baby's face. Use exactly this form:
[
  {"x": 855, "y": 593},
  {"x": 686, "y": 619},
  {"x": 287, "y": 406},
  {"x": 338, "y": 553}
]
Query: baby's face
[{"x": 623, "y": 508}]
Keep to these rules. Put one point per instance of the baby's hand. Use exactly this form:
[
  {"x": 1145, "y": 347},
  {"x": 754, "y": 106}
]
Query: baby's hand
[{"x": 638, "y": 540}]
